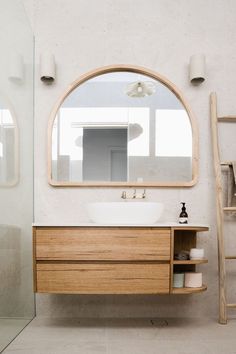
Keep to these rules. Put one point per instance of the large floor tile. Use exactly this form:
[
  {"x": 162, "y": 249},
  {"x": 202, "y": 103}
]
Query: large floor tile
[
  {"x": 125, "y": 336},
  {"x": 9, "y": 328}
]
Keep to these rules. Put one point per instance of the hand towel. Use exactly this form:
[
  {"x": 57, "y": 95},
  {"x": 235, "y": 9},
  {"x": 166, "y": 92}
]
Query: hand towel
[{"x": 231, "y": 184}]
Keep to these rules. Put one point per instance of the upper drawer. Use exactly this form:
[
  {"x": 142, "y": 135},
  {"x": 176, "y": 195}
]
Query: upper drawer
[{"x": 102, "y": 244}]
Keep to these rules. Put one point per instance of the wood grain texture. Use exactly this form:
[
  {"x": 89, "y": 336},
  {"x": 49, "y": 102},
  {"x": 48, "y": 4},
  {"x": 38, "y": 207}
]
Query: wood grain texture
[
  {"x": 219, "y": 209},
  {"x": 227, "y": 119},
  {"x": 103, "y": 278},
  {"x": 184, "y": 291},
  {"x": 34, "y": 260},
  {"x": 187, "y": 227},
  {"x": 189, "y": 261},
  {"x": 230, "y": 209},
  {"x": 231, "y": 306},
  {"x": 122, "y": 244},
  {"x": 110, "y": 260},
  {"x": 226, "y": 163},
  {"x": 172, "y": 258},
  {"x": 184, "y": 240},
  {"x": 143, "y": 71}
]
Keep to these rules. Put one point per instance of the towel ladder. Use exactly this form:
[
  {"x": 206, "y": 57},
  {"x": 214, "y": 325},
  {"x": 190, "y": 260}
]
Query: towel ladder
[{"x": 223, "y": 305}]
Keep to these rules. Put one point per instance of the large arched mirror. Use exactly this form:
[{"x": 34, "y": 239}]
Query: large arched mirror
[
  {"x": 122, "y": 126},
  {"x": 8, "y": 145}
]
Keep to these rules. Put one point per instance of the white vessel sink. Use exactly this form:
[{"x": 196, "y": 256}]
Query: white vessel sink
[{"x": 124, "y": 213}]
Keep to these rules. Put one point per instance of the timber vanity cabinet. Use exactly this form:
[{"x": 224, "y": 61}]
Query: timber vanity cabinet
[{"x": 111, "y": 259}]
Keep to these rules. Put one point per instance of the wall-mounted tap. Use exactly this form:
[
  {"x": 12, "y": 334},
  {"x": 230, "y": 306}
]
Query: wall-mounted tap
[
  {"x": 134, "y": 195},
  {"x": 123, "y": 195},
  {"x": 138, "y": 195},
  {"x": 144, "y": 194}
]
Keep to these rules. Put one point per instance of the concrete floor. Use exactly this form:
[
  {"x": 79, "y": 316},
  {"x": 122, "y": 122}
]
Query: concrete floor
[
  {"x": 9, "y": 328},
  {"x": 125, "y": 336}
]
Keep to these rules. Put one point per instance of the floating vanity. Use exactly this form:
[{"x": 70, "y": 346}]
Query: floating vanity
[
  {"x": 101, "y": 259},
  {"x": 121, "y": 142}
]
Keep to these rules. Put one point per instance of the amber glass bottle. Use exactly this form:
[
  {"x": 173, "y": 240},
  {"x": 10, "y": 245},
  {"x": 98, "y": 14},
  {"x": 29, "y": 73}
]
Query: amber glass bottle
[{"x": 183, "y": 216}]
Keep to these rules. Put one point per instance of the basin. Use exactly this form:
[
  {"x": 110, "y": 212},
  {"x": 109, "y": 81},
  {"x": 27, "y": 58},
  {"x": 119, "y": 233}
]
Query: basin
[{"x": 124, "y": 213}]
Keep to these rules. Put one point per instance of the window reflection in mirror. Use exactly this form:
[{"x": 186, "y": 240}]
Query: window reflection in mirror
[
  {"x": 8, "y": 146},
  {"x": 122, "y": 127}
]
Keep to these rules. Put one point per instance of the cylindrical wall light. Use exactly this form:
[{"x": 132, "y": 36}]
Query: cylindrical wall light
[
  {"x": 197, "y": 68},
  {"x": 16, "y": 67},
  {"x": 47, "y": 67}
]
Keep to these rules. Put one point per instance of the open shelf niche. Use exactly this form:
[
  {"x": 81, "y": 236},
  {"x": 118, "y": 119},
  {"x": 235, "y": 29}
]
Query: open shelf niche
[{"x": 183, "y": 240}]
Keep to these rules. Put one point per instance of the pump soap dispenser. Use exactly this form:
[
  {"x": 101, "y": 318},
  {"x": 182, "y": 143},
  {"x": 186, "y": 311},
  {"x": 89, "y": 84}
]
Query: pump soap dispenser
[{"x": 183, "y": 216}]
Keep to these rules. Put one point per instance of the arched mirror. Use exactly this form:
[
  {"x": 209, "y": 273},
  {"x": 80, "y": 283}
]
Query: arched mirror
[
  {"x": 122, "y": 126},
  {"x": 8, "y": 145}
]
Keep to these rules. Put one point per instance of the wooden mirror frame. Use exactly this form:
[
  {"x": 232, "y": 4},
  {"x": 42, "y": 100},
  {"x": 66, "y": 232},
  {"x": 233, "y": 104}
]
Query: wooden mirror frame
[{"x": 142, "y": 71}]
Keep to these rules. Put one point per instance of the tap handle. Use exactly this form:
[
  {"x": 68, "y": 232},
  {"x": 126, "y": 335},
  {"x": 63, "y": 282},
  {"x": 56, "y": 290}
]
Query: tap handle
[
  {"x": 123, "y": 195},
  {"x": 144, "y": 193},
  {"x": 134, "y": 194}
]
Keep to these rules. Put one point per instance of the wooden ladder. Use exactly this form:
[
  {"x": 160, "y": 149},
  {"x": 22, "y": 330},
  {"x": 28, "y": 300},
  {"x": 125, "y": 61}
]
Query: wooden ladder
[{"x": 220, "y": 209}]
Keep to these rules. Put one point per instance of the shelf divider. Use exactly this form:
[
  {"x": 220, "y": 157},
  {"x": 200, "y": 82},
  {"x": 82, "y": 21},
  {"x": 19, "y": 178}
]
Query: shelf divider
[
  {"x": 191, "y": 261},
  {"x": 188, "y": 290}
]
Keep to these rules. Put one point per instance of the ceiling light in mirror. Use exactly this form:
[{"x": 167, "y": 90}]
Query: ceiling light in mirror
[{"x": 140, "y": 89}]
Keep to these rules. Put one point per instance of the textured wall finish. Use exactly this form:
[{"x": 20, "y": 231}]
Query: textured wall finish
[{"x": 160, "y": 35}]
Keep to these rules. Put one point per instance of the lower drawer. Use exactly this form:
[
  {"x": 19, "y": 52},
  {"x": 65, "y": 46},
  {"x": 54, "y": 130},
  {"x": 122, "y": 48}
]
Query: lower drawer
[{"x": 103, "y": 278}]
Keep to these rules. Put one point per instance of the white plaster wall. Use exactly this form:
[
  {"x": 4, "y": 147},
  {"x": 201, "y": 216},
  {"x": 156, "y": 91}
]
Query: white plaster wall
[{"x": 160, "y": 35}]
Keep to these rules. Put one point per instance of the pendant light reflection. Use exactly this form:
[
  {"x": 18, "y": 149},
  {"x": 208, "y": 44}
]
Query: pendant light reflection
[
  {"x": 140, "y": 89},
  {"x": 135, "y": 130}
]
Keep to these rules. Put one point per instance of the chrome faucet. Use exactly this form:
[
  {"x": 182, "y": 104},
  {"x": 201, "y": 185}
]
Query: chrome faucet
[
  {"x": 123, "y": 195},
  {"x": 135, "y": 195},
  {"x": 144, "y": 194}
]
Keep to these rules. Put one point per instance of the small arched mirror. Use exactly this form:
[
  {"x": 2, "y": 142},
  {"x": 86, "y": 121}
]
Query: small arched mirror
[
  {"x": 8, "y": 145},
  {"x": 122, "y": 126}
]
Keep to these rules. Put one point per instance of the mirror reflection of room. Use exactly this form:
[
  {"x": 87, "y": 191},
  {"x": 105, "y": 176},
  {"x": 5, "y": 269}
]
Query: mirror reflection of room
[
  {"x": 120, "y": 127},
  {"x": 8, "y": 131}
]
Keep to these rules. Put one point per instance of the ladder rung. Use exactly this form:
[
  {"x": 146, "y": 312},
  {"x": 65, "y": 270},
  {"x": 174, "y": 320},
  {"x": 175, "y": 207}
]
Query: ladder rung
[
  {"x": 231, "y": 305},
  {"x": 226, "y": 163},
  {"x": 227, "y": 119},
  {"x": 229, "y": 209},
  {"x": 215, "y": 119}
]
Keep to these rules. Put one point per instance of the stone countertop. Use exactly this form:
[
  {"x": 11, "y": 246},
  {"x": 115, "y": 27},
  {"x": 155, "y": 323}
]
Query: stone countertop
[{"x": 89, "y": 224}]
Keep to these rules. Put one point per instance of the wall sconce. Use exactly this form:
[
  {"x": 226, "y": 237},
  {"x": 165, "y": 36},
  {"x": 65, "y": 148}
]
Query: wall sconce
[
  {"x": 197, "y": 69},
  {"x": 16, "y": 68},
  {"x": 47, "y": 68}
]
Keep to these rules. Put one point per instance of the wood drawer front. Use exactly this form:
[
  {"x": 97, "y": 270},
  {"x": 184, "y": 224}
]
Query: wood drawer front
[
  {"x": 103, "y": 278},
  {"x": 124, "y": 244}
]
